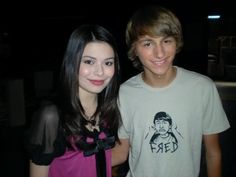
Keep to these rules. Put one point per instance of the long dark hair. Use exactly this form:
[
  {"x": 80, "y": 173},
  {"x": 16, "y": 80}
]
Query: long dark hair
[{"x": 72, "y": 110}]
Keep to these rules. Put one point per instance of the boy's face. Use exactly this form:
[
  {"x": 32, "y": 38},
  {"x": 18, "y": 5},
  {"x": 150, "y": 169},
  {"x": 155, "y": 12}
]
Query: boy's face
[{"x": 157, "y": 55}]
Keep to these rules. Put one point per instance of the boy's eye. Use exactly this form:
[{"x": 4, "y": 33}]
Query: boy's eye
[
  {"x": 168, "y": 41},
  {"x": 147, "y": 44}
]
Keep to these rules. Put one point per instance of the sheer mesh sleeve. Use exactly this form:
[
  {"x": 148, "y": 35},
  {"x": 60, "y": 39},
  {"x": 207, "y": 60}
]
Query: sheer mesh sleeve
[{"x": 45, "y": 139}]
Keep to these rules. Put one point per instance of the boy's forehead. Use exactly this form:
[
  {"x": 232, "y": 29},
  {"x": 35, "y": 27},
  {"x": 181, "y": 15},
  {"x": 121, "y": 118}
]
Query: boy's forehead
[{"x": 148, "y": 37}]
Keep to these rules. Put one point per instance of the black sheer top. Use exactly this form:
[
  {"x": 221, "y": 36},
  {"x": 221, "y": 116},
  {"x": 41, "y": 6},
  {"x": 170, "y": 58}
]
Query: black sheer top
[{"x": 45, "y": 140}]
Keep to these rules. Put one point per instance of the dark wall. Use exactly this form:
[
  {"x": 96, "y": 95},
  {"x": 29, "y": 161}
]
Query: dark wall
[{"x": 33, "y": 36}]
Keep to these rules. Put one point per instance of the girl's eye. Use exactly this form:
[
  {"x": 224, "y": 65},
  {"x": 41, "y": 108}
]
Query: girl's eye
[
  {"x": 89, "y": 62},
  {"x": 109, "y": 63}
]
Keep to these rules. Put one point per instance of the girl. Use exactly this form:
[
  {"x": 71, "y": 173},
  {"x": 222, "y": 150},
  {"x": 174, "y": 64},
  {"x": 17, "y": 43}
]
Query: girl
[{"x": 74, "y": 138}]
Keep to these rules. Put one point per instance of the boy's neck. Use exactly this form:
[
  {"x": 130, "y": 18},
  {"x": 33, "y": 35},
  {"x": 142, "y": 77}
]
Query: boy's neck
[{"x": 159, "y": 81}]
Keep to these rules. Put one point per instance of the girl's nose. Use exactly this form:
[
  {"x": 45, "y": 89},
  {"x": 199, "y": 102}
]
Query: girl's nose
[{"x": 99, "y": 70}]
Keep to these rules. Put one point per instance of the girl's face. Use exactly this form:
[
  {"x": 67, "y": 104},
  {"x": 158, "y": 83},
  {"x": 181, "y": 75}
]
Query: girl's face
[
  {"x": 97, "y": 67},
  {"x": 156, "y": 54}
]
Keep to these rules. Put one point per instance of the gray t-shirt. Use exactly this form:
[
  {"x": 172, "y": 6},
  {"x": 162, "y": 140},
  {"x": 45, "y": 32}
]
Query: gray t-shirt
[{"x": 165, "y": 125}]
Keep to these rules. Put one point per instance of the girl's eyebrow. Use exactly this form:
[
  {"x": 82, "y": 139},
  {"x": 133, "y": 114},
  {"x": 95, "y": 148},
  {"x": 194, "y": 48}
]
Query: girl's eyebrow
[
  {"x": 87, "y": 56},
  {"x": 110, "y": 58},
  {"x": 94, "y": 58}
]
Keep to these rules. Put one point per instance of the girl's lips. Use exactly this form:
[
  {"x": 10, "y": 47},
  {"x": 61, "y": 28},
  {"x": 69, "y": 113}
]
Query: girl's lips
[{"x": 97, "y": 82}]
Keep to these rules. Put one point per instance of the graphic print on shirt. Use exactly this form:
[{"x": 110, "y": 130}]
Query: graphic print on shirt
[{"x": 163, "y": 140}]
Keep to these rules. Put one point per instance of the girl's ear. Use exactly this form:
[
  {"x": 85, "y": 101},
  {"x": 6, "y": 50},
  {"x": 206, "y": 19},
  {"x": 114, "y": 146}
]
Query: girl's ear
[{"x": 135, "y": 52}]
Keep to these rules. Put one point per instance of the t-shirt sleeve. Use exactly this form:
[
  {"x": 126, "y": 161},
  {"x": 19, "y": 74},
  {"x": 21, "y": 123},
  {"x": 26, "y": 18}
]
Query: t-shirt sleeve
[
  {"x": 215, "y": 119},
  {"x": 124, "y": 130},
  {"x": 44, "y": 139}
]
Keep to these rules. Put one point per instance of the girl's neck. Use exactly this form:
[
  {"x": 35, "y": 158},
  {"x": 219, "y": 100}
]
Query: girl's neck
[{"x": 89, "y": 103}]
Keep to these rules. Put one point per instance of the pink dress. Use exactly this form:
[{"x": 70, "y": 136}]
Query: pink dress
[
  {"x": 75, "y": 164},
  {"x": 86, "y": 155}
]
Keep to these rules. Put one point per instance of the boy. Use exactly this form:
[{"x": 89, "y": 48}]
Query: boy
[{"x": 154, "y": 37}]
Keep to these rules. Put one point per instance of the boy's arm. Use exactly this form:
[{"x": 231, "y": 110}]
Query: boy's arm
[
  {"x": 213, "y": 155},
  {"x": 120, "y": 152}
]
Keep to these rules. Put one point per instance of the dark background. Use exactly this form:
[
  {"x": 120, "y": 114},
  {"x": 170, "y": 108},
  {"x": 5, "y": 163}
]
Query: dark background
[
  {"x": 33, "y": 37},
  {"x": 35, "y": 34}
]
